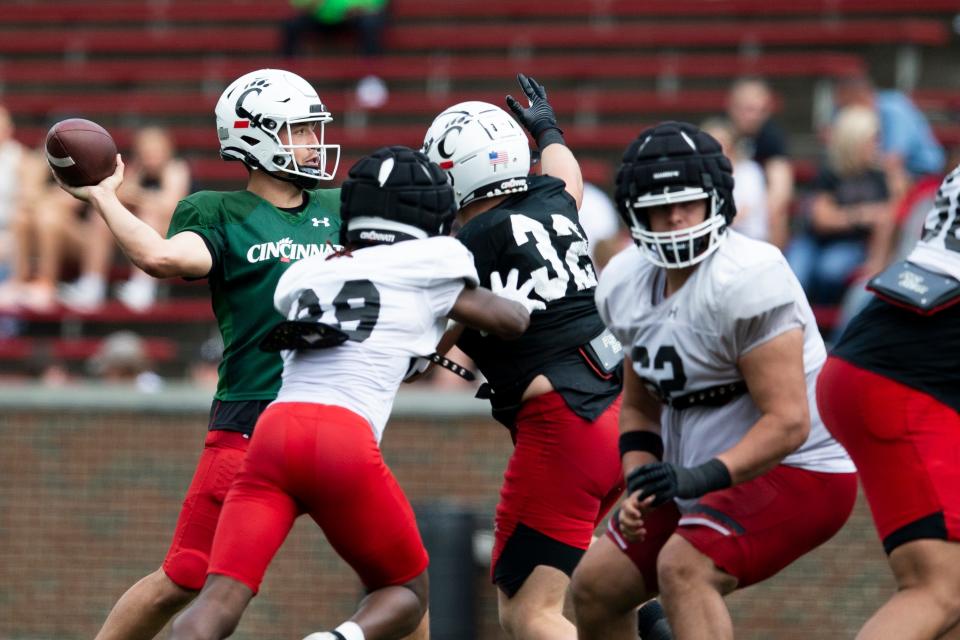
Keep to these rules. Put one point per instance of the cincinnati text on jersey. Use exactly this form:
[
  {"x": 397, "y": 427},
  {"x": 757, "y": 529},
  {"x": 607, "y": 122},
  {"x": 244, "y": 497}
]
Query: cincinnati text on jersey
[{"x": 285, "y": 251}]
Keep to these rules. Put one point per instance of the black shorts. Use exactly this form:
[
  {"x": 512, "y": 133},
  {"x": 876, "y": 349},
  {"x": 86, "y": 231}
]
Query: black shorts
[{"x": 236, "y": 415}]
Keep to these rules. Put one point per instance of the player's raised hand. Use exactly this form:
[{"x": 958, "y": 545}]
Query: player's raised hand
[
  {"x": 110, "y": 184},
  {"x": 511, "y": 291},
  {"x": 538, "y": 117}
]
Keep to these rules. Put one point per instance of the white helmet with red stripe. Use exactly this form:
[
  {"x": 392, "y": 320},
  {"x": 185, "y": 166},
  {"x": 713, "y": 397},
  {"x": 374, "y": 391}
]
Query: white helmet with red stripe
[
  {"x": 253, "y": 111},
  {"x": 482, "y": 148}
]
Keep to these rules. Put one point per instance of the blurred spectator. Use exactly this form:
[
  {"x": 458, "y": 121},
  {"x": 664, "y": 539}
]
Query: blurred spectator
[
  {"x": 204, "y": 371},
  {"x": 851, "y": 219},
  {"x": 323, "y": 18},
  {"x": 155, "y": 181},
  {"x": 11, "y": 155},
  {"x": 48, "y": 227},
  {"x": 909, "y": 147},
  {"x": 749, "y": 188},
  {"x": 56, "y": 374},
  {"x": 600, "y": 221},
  {"x": 910, "y": 215},
  {"x": 761, "y": 139},
  {"x": 123, "y": 358}
]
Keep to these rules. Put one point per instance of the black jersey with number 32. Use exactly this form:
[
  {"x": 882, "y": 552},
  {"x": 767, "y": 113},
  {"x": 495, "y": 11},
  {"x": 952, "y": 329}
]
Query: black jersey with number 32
[{"x": 538, "y": 233}]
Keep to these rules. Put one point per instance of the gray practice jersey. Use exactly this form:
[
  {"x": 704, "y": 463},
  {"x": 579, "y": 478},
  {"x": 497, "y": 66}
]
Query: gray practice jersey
[{"x": 739, "y": 298}]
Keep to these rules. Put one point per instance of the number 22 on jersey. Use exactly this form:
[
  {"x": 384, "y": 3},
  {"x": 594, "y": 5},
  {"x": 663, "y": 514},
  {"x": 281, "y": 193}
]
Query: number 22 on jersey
[{"x": 575, "y": 265}]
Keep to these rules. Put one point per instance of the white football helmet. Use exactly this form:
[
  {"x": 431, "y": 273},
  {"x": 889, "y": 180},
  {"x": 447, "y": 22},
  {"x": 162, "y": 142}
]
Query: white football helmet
[
  {"x": 256, "y": 107},
  {"x": 482, "y": 148}
]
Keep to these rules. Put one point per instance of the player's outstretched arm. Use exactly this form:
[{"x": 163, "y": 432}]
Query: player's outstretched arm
[
  {"x": 185, "y": 254},
  {"x": 484, "y": 310},
  {"x": 539, "y": 119}
]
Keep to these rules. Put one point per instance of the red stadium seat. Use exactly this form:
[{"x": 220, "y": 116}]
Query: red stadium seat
[
  {"x": 158, "y": 349},
  {"x": 938, "y": 99},
  {"x": 690, "y": 34},
  {"x": 486, "y": 37},
  {"x": 947, "y": 134},
  {"x": 21, "y": 348},
  {"x": 173, "y": 311},
  {"x": 600, "y": 137},
  {"x": 653, "y": 8},
  {"x": 574, "y": 67},
  {"x": 249, "y": 11},
  {"x": 604, "y": 136},
  {"x": 402, "y": 102},
  {"x": 214, "y": 170}
]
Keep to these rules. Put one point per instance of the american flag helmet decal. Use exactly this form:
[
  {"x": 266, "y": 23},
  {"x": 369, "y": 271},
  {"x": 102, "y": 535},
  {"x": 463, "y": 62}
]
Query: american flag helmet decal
[{"x": 498, "y": 157}]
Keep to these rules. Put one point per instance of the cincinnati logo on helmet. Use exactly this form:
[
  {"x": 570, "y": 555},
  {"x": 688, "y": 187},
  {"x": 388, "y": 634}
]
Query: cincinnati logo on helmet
[
  {"x": 447, "y": 142},
  {"x": 257, "y": 86}
]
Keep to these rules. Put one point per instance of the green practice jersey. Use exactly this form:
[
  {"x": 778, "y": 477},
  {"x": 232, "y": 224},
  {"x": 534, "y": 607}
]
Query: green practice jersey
[{"x": 252, "y": 243}]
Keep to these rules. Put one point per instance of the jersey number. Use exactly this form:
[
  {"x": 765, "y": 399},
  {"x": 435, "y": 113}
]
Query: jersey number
[
  {"x": 355, "y": 309},
  {"x": 551, "y": 280},
  {"x": 666, "y": 355}
]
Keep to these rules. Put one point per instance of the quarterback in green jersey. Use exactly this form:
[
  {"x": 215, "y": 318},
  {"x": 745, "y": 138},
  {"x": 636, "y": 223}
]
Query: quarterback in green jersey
[{"x": 241, "y": 242}]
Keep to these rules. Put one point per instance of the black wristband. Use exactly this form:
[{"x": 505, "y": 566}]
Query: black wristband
[
  {"x": 712, "y": 475},
  {"x": 641, "y": 441},
  {"x": 550, "y": 136}
]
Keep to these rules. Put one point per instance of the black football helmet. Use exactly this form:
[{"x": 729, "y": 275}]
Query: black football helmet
[
  {"x": 395, "y": 194},
  {"x": 670, "y": 163}
]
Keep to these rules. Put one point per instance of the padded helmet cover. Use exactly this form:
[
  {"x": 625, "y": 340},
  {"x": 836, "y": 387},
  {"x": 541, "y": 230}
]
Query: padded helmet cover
[
  {"x": 395, "y": 194},
  {"x": 670, "y": 163}
]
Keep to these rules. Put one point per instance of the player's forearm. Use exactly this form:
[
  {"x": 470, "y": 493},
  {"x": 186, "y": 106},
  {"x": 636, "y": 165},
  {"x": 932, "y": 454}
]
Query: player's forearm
[
  {"x": 450, "y": 337},
  {"x": 766, "y": 444},
  {"x": 827, "y": 217},
  {"x": 780, "y": 186},
  {"x": 558, "y": 161},
  {"x": 780, "y": 183},
  {"x": 881, "y": 240},
  {"x": 640, "y": 442},
  {"x": 138, "y": 240},
  {"x": 481, "y": 309}
]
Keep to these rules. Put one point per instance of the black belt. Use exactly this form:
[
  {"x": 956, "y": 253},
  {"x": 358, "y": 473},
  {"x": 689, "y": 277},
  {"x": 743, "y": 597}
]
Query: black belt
[{"x": 710, "y": 397}]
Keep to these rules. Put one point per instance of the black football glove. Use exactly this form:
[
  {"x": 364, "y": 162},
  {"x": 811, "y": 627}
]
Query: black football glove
[
  {"x": 667, "y": 481},
  {"x": 538, "y": 118}
]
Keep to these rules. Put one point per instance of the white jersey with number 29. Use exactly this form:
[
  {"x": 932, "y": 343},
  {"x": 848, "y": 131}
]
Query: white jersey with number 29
[
  {"x": 737, "y": 299},
  {"x": 392, "y": 302}
]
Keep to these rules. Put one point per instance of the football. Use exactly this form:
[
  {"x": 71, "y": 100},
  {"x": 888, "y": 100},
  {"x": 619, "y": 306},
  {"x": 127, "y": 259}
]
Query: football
[{"x": 80, "y": 152}]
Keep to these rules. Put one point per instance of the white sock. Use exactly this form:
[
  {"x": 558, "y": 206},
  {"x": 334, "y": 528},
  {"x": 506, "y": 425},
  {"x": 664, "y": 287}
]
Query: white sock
[{"x": 350, "y": 631}]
